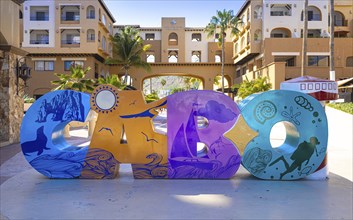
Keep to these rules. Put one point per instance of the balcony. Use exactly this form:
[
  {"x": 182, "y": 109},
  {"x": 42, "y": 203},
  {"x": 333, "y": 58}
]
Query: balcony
[
  {"x": 40, "y": 37},
  {"x": 70, "y": 43},
  {"x": 39, "y": 13},
  {"x": 281, "y": 13},
  {"x": 39, "y": 41},
  {"x": 39, "y": 18},
  {"x": 70, "y": 14}
]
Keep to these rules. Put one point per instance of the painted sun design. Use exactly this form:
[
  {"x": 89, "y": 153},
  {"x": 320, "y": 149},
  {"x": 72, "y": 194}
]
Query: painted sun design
[{"x": 105, "y": 99}]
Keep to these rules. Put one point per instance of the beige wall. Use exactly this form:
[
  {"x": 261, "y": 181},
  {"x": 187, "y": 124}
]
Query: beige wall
[
  {"x": 40, "y": 82},
  {"x": 173, "y": 25},
  {"x": 9, "y": 23}
]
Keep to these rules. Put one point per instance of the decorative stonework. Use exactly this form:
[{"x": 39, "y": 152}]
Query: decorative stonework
[{"x": 11, "y": 104}]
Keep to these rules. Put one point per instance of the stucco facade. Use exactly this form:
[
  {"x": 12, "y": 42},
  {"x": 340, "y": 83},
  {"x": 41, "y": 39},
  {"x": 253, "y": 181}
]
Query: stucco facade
[
  {"x": 270, "y": 42},
  {"x": 58, "y": 32}
]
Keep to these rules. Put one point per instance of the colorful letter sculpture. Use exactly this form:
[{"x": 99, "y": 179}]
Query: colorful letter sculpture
[{"x": 206, "y": 134}]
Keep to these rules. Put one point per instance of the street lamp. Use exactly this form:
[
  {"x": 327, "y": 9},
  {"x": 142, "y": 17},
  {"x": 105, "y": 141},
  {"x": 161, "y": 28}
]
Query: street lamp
[{"x": 22, "y": 71}]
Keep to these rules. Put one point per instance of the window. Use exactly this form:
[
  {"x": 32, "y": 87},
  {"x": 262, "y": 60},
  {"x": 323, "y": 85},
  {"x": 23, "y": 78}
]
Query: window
[
  {"x": 91, "y": 35},
  {"x": 244, "y": 69},
  {"x": 216, "y": 37},
  {"x": 196, "y": 37},
  {"x": 68, "y": 64},
  {"x": 196, "y": 57},
  {"x": 290, "y": 61},
  {"x": 318, "y": 61},
  {"x": 218, "y": 56},
  {"x": 314, "y": 14},
  {"x": 349, "y": 62},
  {"x": 91, "y": 12},
  {"x": 104, "y": 20},
  {"x": 149, "y": 36},
  {"x": 40, "y": 15},
  {"x": 44, "y": 65},
  {"x": 173, "y": 39},
  {"x": 257, "y": 35},
  {"x": 248, "y": 38},
  {"x": 236, "y": 48},
  {"x": 173, "y": 56},
  {"x": 258, "y": 12},
  {"x": 99, "y": 36},
  {"x": 339, "y": 19},
  {"x": 104, "y": 45},
  {"x": 281, "y": 33},
  {"x": 150, "y": 57},
  {"x": 281, "y": 10}
]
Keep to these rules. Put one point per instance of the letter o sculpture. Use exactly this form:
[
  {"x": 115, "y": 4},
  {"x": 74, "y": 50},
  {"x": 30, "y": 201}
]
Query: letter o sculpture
[{"x": 305, "y": 144}]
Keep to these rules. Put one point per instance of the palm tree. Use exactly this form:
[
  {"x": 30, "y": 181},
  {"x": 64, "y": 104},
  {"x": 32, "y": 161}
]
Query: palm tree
[
  {"x": 111, "y": 80},
  {"x": 219, "y": 24},
  {"x": 305, "y": 36},
  {"x": 127, "y": 50},
  {"x": 75, "y": 80},
  {"x": 332, "y": 41}
]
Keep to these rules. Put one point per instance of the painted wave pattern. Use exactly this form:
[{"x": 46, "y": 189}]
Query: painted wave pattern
[
  {"x": 219, "y": 170},
  {"x": 99, "y": 164},
  {"x": 61, "y": 165},
  {"x": 152, "y": 170}
]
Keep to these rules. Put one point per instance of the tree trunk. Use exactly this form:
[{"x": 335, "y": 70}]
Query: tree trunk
[
  {"x": 151, "y": 85},
  {"x": 305, "y": 35},
  {"x": 126, "y": 75},
  {"x": 223, "y": 58},
  {"x": 332, "y": 41}
]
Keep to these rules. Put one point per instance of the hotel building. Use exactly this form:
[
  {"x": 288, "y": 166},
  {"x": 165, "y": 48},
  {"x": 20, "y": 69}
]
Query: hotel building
[
  {"x": 270, "y": 42},
  {"x": 181, "y": 51},
  {"x": 61, "y": 33}
]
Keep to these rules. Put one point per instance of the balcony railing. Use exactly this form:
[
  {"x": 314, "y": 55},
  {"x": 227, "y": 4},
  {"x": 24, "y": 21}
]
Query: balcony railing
[
  {"x": 70, "y": 18},
  {"x": 341, "y": 23},
  {"x": 70, "y": 41},
  {"x": 39, "y": 41},
  {"x": 281, "y": 13},
  {"x": 39, "y": 18}
]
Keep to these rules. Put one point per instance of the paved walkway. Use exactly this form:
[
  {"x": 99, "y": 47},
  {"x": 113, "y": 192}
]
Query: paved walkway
[{"x": 25, "y": 194}]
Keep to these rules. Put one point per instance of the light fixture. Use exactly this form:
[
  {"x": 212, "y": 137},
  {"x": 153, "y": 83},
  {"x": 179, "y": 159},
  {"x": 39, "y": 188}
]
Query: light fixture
[{"x": 22, "y": 71}]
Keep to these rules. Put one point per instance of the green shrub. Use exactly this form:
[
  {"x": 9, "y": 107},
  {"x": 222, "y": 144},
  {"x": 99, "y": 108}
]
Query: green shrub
[
  {"x": 28, "y": 99},
  {"x": 151, "y": 97},
  {"x": 345, "y": 107},
  {"x": 254, "y": 86}
]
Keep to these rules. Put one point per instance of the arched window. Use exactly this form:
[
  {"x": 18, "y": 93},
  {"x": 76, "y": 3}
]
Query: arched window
[
  {"x": 338, "y": 19},
  {"x": 104, "y": 43},
  {"x": 242, "y": 42},
  {"x": 314, "y": 14},
  {"x": 218, "y": 56},
  {"x": 91, "y": 36},
  {"x": 257, "y": 35},
  {"x": 281, "y": 33},
  {"x": 258, "y": 12},
  {"x": 173, "y": 39},
  {"x": 150, "y": 57},
  {"x": 196, "y": 56},
  {"x": 349, "y": 62},
  {"x": 20, "y": 15},
  {"x": 110, "y": 47},
  {"x": 91, "y": 13},
  {"x": 104, "y": 20},
  {"x": 99, "y": 36},
  {"x": 196, "y": 37},
  {"x": 236, "y": 48},
  {"x": 173, "y": 56}
]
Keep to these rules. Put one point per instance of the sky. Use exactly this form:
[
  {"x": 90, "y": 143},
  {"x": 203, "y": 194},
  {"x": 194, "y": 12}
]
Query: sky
[{"x": 147, "y": 13}]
